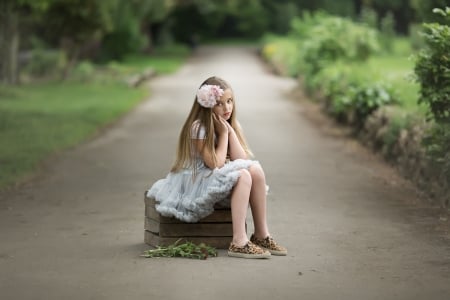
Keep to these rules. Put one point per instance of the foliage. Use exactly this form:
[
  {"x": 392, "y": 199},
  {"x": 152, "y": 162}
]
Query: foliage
[
  {"x": 416, "y": 36},
  {"x": 387, "y": 31},
  {"x": 394, "y": 127},
  {"x": 280, "y": 15},
  {"x": 282, "y": 53},
  {"x": 38, "y": 120},
  {"x": 437, "y": 145},
  {"x": 433, "y": 69},
  {"x": 84, "y": 71},
  {"x": 251, "y": 18},
  {"x": 78, "y": 20},
  {"x": 433, "y": 73},
  {"x": 352, "y": 94},
  {"x": 132, "y": 29},
  {"x": 325, "y": 39},
  {"x": 424, "y": 10},
  {"x": 45, "y": 62},
  {"x": 186, "y": 250},
  {"x": 369, "y": 17}
]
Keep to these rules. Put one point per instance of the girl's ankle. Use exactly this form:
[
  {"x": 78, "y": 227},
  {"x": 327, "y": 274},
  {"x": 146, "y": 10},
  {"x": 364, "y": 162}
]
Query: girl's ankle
[
  {"x": 260, "y": 236},
  {"x": 239, "y": 242}
]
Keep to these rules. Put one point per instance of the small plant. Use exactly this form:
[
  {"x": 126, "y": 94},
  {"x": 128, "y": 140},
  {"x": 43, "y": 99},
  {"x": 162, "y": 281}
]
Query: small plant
[
  {"x": 186, "y": 250},
  {"x": 369, "y": 97}
]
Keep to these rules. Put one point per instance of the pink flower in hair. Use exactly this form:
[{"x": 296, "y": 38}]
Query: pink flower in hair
[{"x": 207, "y": 95}]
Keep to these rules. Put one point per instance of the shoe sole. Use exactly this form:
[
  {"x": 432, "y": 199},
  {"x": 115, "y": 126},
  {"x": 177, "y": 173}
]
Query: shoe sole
[
  {"x": 250, "y": 256},
  {"x": 277, "y": 253}
]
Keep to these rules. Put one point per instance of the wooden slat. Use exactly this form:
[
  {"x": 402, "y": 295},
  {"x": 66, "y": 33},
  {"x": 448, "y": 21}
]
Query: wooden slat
[
  {"x": 217, "y": 242},
  {"x": 151, "y": 225},
  {"x": 188, "y": 229}
]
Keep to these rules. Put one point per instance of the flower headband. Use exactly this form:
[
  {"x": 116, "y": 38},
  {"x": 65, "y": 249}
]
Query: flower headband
[{"x": 207, "y": 95}]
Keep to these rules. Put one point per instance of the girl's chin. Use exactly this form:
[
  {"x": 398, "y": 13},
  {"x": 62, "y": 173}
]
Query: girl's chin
[{"x": 226, "y": 117}]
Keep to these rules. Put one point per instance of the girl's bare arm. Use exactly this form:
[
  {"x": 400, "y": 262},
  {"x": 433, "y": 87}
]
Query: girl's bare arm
[
  {"x": 221, "y": 148},
  {"x": 221, "y": 151},
  {"x": 235, "y": 147}
]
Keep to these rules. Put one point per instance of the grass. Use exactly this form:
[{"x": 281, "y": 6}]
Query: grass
[
  {"x": 394, "y": 67},
  {"x": 398, "y": 71},
  {"x": 38, "y": 120},
  {"x": 163, "y": 60}
]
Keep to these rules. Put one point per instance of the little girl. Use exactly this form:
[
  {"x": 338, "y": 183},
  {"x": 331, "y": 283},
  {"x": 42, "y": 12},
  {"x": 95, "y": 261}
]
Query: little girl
[{"x": 211, "y": 165}]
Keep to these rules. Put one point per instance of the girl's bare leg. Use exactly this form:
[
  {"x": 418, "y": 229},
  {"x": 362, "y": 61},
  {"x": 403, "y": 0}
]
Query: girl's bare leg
[
  {"x": 258, "y": 201},
  {"x": 239, "y": 204}
]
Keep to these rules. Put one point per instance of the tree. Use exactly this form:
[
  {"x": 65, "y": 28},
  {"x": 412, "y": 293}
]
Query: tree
[
  {"x": 424, "y": 10},
  {"x": 71, "y": 22},
  {"x": 76, "y": 22},
  {"x": 11, "y": 13},
  {"x": 133, "y": 22}
]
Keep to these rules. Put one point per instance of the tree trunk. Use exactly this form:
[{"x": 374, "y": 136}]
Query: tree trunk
[
  {"x": 9, "y": 43},
  {"x": 72, "y": 50}
]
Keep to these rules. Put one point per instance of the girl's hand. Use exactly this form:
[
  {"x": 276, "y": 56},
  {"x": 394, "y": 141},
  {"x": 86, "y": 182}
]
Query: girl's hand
[
  {"x": 220, "y": 125},
  {"x": 230, "y": 129}
]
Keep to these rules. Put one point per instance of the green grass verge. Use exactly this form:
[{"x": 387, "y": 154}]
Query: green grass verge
[
  {"x": 398, "y": 71},
  {"x": 38, "y": 120}
]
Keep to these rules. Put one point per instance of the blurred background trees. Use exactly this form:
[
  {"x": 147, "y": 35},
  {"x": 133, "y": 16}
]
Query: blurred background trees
[
  {"x": 355, "y": 54},
  {"x": 53, "y": 35}
]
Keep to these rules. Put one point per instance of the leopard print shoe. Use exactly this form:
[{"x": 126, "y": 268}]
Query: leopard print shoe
[
  {"x": 269, "y": 244},
  {"x": 249, "y": 250}
]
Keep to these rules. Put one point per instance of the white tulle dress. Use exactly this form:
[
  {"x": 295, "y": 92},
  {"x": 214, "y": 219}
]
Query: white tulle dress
[{"x": 189, "y": 198}]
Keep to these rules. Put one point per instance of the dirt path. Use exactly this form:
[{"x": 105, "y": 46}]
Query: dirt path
[{"x": 354, "y": 230}]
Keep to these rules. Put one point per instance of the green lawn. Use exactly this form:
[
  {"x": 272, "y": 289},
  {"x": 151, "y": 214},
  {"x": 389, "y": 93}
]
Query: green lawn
[
  {"x": 37, "y": 120},
  {"x": 398, "y": 71}
]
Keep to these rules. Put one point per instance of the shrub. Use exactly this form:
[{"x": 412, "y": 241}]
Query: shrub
[
  {"x": 45, "y": 62},
  {"x": 433, "y": 73},
  {"x": 352, "y": 96},
  {"x": 387, "y": 25},
  {"x": 325, "y": 39},
  {"x": 282, "y": 54},
  {"x": 84, "y": 71},
  {"x": 437, "y": 145},
  {"x": 417, "y": 40},
  {"x": 433, "y": 69}
]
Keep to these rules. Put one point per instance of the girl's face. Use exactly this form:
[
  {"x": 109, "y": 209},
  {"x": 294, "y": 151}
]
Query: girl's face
[{"x": 224, "y": 106}]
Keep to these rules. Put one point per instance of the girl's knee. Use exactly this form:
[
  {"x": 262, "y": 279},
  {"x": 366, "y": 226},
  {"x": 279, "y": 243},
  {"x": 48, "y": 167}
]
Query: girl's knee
[
  {"x": 257, "y": 173},
  {"x": 245, "y": 177}
]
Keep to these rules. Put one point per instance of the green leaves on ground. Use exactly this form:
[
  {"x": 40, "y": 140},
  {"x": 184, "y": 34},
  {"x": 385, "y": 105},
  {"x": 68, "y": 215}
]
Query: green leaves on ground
[{"x": 186, "y": 250}]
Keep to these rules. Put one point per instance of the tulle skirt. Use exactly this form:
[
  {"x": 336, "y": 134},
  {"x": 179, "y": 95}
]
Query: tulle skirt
[{"x": 189, "y": 198}]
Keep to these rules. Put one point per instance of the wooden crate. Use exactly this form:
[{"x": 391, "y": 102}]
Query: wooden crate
[{"x": 215, "y": 230}]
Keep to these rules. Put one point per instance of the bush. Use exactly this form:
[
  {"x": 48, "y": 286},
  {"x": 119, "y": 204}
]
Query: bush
[
  {"x": 45, "y": 62},
  {"x": 437, "y": 145},
  {"x": 387, "y": 25},
  {"x": 84, "y": 71},
  {"x": 325, "y": 39},
  {"x": 417, "y": 40},
  {"x": 282, "y": 54},
  {"x": 352, "y": 96},
  {"x": 433, "y": 73},
  {"x": 433, "y": 69}
]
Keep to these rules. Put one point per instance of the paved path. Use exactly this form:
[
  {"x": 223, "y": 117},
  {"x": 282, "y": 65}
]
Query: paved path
[{"x": 351, "y": 226}]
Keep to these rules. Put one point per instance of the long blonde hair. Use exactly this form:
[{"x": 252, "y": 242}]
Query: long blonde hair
[{"x": 185, "y": 157}]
